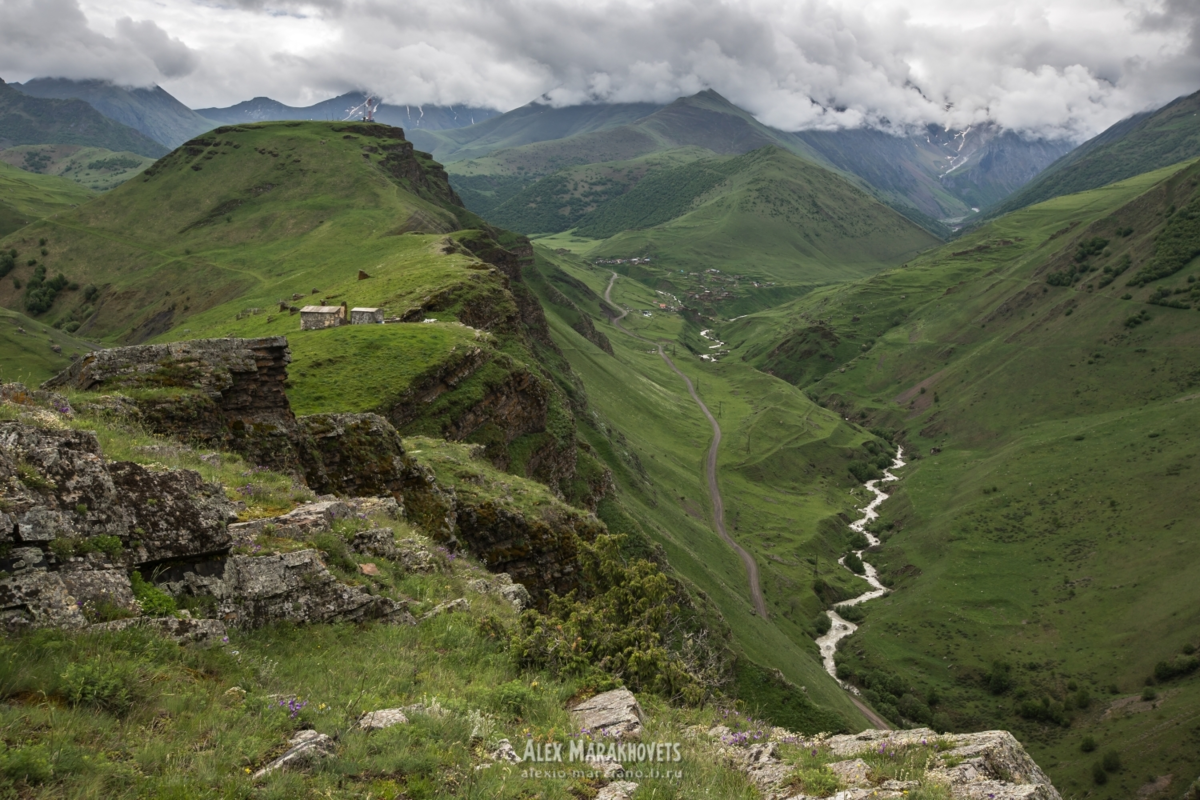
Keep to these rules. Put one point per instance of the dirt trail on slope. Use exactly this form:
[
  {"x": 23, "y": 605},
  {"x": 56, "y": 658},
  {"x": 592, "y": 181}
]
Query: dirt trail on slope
[{"x": 714, "y": 491}]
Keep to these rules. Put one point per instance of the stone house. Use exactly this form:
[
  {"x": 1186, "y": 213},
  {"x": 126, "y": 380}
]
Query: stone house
[
  {"x": 314, "y": 318},
  {"x": 366, "y": 316}
]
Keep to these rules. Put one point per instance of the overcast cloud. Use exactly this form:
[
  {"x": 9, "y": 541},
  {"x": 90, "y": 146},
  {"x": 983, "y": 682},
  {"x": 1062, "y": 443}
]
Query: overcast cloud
[{"x": 1059, "y": 68}]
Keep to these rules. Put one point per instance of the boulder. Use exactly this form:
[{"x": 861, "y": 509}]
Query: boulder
[
  {"x": 58, "y": 485},
  {"x": 95, "y": 587},
  {"x": 851, "y": 773},
  {"x": 296, "y": 587},
  {"x": 414, "y": 555},
  {"x": 504, "y": 752},
  {"x": 378, "y": 542},
  {"x": 384, "y": 718},
  {"x": 450, "y": 607},
  {"x": 620, "y": 790},
  {"x": 36, "y": 599},
  {"x": 305, "y": 748},
  {"x": 614, "y": 713},
  {"x": 989, "y": 764},
  {"x": 503, "y": 586},
  {"x": 302, "y": 522},
  {"x": 252, "y": 591}
]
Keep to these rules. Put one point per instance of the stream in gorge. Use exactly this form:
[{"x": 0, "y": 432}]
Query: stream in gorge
[{"x": 841, "y": 628}]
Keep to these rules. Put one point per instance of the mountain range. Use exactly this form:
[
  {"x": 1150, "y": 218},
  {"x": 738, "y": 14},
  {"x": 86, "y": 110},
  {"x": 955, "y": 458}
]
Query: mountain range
[
  {"x": 427, "y": 117},
  {"x": 930, "y": 176}
]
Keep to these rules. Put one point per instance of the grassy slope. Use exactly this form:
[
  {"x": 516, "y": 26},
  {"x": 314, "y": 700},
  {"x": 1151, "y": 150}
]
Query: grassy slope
[
  {"x": 275, "y": 210},
  {"x": 655, "y": 439},
  {"x": 94, "y": 167},
  {"x": 560, "y": 201},
  {"x": 167, "y": 721},
  {"x": 1167, "y": 136},
  {"x": 26, "y": 196},
  {"x": 531, "y": 123},
  {"x": 29, "y": 356},
  {"x": 1050, "y": 532},
  {"x": 775, "y": 218}
]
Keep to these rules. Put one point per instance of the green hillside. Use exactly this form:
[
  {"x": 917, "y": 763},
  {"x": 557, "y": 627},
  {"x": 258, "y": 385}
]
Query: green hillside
[
  {"x": 535, "y": 122},
  {"x": 768, "y": 215},
  {"x": 25, "y": 197},
  {"x": 255, "y": 213},
  {"x": 150, "y": 110},
  {"x": 94, "y": 167},
  {"x": 35, "y": 120},
  {"x": 559, "y": 201},
  {"x": 1045, "y": 384},
  {"x": 34, "y": 352},
  {"x": 1131, "y": 147}
]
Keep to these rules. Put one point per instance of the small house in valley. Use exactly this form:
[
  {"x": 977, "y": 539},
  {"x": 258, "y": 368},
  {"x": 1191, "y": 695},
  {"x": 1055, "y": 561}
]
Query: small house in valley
[
  {"x": 366, "y": 316},
  {"x": 314, "y": 318}
]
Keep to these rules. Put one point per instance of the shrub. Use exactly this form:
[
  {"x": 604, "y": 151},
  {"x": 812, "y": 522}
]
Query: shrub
[
  {"x": 1182, "y": 665},
  {"x": 334, "y": 548},
  {"x": 41, "y": 293},
  {"x": 153, "y": 600},
  {"x": 106, "y": 686},
  {"x": 1088, "y": 248},
  {"x": 1149, "y": 694},
  {"x": 1099, "y": 775},
  {"x": 855, "y": 614},
  {"x": 863, "y": 471},
  {"x": 621, "y": 629},
  {"x": 1111, "y": 761},
  {"x": 511, "y": 698},
  {"x": 1088, "y": 744},
  {"x": 854, "y": 564},
  {"x": 817, "y": 782},
  {"x": 999, "y": 680},
  {"x": 109, "y": 545},
  {"x": 822, "y": 624},
  {"x": 29, "y": 764},
  {"x": 1137, "y": 319}
]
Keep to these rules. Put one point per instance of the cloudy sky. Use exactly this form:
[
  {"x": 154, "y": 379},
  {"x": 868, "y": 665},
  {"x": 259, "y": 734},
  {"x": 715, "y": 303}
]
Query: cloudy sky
[{"x": 1061, "y": 68}]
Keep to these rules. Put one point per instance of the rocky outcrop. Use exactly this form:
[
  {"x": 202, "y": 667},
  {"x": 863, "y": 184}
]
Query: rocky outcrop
[
  {"x": 57, "y": 487},
  {"x": 252, "y": 591},
  {"x": 616, "y": 713},
  {"x": 38, "y": 600},
  {"x": 502, "y": 586},
  {"x": 226, "y": 393},
  {"x": 540, "y": 552},
  {"x": 990, "y": 765}
]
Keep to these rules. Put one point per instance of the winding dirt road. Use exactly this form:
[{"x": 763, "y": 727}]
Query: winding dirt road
[{"x": 714, "y": 491}]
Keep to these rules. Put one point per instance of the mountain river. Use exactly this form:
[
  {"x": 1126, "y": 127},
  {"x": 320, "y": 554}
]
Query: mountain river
[{"x": 841, "y": 628}]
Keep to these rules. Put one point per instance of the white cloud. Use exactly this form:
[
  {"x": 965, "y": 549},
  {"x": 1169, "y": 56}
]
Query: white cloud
[{"x": 1049, "y": 67}]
